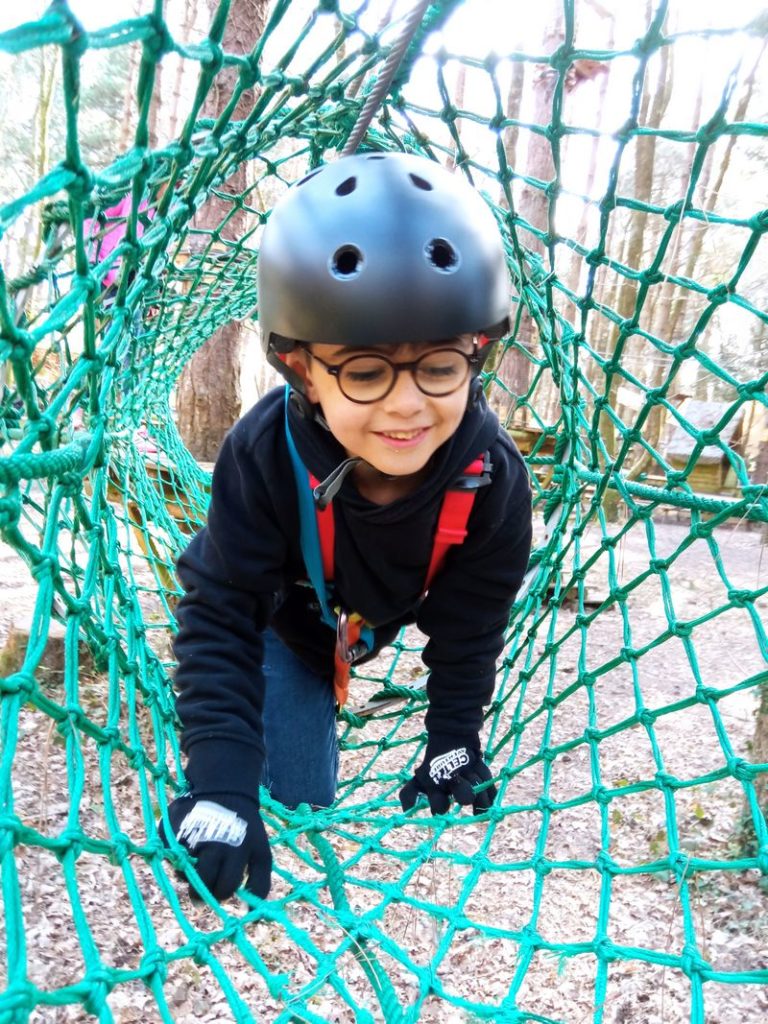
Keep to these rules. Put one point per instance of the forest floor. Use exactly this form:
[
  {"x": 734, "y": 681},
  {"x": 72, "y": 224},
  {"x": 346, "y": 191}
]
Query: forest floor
[{"x": 78, "y": 907}]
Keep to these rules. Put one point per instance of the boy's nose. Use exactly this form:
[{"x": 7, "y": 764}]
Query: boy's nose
[{"x": 404, "y": 398}]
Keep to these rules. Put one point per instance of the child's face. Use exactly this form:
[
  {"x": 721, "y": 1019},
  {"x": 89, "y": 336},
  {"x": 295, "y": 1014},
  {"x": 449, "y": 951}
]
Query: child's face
[{"x": 396, "y": 434}]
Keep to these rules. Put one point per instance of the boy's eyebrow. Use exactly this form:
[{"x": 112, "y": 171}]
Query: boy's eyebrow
[{"x": 349, "y": 350}]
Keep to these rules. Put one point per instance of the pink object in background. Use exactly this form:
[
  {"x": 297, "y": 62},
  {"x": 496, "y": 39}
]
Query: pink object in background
[{"x": 113, "y": 235}]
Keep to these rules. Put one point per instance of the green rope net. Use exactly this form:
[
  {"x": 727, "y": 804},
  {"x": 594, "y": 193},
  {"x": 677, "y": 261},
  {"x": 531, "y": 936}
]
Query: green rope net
[{"x": 618, "y": 877}]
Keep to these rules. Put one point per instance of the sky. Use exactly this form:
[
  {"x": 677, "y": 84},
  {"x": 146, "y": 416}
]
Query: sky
[{"x": 507, "y": 17}]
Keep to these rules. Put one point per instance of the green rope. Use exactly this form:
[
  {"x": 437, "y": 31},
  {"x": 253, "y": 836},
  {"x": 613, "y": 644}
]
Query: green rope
[{"x": 628, "y": 843}]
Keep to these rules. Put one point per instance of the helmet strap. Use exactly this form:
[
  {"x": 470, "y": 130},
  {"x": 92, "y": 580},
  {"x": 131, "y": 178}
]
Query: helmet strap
[
  {"x": 326, "y": 491},
  {"x": 303, "y": 406},
  {"x": 482, "y": 347},
  {"x": 475, "y": 393}
]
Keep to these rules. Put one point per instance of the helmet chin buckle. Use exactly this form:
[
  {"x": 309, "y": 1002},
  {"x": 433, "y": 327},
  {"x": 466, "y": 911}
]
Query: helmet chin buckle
[
  {"x": 327, "y": 490},
  {"x": 475, "y": 393},
  {"x": 302, "y": 404}
]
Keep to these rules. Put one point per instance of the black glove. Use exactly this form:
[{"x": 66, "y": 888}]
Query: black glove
[
  {"x": 452, "y": 765},
  {"x": 224, "y": 831}
]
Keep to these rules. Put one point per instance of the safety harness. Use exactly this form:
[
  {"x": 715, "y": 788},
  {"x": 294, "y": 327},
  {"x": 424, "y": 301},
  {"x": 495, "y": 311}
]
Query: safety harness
[{"x": 354, "y": 637}]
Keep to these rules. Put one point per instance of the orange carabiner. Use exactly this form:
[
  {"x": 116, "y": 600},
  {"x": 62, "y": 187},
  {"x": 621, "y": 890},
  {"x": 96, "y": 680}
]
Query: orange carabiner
[{"x": 348, "y": 650}]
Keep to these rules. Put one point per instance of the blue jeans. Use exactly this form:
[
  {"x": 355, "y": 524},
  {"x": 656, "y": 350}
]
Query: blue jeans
[{"x": 302, "y": 750}]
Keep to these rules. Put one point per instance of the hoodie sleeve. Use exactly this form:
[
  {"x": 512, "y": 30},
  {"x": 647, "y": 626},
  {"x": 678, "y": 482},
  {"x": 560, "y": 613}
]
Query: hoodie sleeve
[
  {"x": 467, "y": 608},
  {"x": 230, "y": 572}
]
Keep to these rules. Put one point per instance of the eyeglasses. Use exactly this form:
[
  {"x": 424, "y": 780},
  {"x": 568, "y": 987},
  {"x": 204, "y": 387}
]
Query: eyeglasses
[{"x": 369, "y": 378}]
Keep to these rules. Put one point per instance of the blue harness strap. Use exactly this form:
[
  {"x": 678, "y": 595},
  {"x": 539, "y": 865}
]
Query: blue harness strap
[
  {"x": 310, "y": 541},
  {"x": 310, "y": 538}
]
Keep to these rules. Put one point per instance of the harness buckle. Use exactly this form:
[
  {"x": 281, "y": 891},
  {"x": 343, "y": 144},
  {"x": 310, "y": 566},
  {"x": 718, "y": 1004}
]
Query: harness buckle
[
  {"x": 348, "y": 648},
  {"x": 474, "y": 481}
]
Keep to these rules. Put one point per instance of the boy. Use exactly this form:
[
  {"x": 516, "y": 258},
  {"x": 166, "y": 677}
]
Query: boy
[{"x": 382, "y": 285}]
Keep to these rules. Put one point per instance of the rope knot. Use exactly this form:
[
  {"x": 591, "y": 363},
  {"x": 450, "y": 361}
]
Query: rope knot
[
  {"x": 692, "y": 962},
  {"x": 10, "y": 510}
]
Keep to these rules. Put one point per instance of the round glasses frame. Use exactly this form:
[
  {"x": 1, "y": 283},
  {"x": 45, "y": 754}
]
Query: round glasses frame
[{"x": 473, "y": 363}]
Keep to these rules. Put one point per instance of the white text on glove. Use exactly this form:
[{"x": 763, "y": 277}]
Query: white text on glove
[
  {"x": 446, "y": 765},
  {"x": 209, "y": 822}
]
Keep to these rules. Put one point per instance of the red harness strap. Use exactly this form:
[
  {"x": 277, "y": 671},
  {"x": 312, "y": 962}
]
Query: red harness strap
[
  {"x": 348, "y": 626},
  {"x": 452, "y": 524},
  {"x": 326, "y": 530},
  {"x": 451, "y": 529}
]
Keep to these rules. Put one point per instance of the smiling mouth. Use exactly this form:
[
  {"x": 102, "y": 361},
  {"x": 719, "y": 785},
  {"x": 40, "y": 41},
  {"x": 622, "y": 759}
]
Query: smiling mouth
[{"x": 403, "y": 435}]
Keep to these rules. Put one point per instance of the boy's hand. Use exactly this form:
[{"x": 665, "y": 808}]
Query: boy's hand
[
  {"x": 227, "y": 838},
  {"x": 452, "y": 766}
]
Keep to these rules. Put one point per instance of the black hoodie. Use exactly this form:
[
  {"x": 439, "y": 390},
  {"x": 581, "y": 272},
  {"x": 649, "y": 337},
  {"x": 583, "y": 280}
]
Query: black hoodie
[{"x": 242, "y": 572}]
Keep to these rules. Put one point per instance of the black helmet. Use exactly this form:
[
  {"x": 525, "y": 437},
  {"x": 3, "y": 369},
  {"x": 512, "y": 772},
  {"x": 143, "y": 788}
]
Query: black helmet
[{"x": 379, "y": 249}]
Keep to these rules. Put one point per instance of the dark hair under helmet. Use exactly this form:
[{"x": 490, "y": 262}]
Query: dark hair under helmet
[{"x": 380, "y": 249}]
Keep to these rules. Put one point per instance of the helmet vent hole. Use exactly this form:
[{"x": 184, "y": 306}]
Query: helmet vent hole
[
  {"x": 421, "y": 183},
  {"x": 346, "y": 262},
  {"x": 376, "y": 156},
  {"x": 306, "y": 177},
  {"x": 346, "y": 187},
  {"x": 442, "y": 255}
]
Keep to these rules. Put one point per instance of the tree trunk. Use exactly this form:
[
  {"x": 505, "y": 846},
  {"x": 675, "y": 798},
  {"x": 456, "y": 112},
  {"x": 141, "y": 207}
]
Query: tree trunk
[
  {"x": 758, "y": 755},
  {"x": 189, "y": 25},
  {"x": 153, "y": 122},
  {"x": 651, "y": 114},
  {"x": 511, "y": 369},
  {"x": 666, "y": 312},
  {"x": 458, "y": 102},
  {"x": 533, "y": 206},
  {"x": 31, "y": 245},
  {"x": 671, "y": 306},
  {"x": 208, "y": 394},
  {"x": 514, "y": 101},
  {"x": 582, "y": 229},
  {"x": 130, "y": 112}
]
